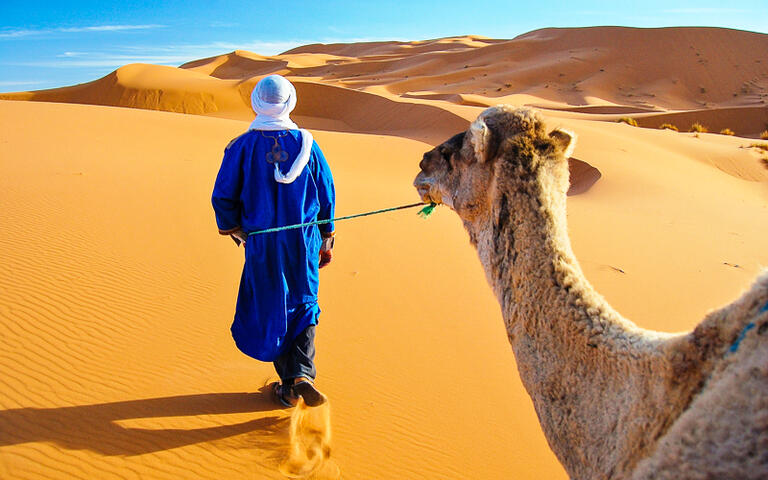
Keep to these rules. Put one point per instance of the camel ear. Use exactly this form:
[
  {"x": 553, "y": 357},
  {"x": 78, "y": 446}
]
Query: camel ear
[
  {"x": 565, "y": 141},
  {"x": 478, "y": 138}
]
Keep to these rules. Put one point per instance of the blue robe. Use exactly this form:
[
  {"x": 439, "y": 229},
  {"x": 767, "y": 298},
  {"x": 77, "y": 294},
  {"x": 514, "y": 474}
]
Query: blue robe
[{"x": 278, "y": 289}]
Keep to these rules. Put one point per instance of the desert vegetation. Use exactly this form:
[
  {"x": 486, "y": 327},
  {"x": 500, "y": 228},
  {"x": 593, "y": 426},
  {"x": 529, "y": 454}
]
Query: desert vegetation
[
  {"x": 698, "y": 128},
  {"x": 628, "y": 121}
]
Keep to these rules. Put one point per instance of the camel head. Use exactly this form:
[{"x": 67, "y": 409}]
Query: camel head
[{"x": 506, "y": 147}]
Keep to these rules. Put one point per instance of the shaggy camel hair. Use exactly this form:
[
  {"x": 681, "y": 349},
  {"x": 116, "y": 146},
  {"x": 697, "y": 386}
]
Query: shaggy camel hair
[{"x": 615, "y": 401}]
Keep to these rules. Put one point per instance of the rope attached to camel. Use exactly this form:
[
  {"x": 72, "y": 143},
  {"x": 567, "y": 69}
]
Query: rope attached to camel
[{"x": 424, "y": 213}]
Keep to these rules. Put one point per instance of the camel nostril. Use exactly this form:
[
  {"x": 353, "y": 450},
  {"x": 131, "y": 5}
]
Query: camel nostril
[
  {"x": 420, "y": 181},
  {"x": 422, "y": 187}
]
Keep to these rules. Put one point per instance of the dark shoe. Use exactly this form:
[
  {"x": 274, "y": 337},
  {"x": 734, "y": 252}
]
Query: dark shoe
[
  {"x": 284, "y": 395},
  {"x": 312, "y": 396}
]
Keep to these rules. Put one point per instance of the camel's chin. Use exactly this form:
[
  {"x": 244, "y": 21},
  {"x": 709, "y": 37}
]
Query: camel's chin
[
  {"x": 426, "y": 195},
  {"x": 436, "y": 198}
]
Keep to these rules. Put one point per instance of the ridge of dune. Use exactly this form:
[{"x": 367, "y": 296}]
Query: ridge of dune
[
  {"x": 385, "y": 48},
  {"x": 370, "y": 113},
  {"x": 150, "y": 87},
  {"x": 229, "y": 65}
]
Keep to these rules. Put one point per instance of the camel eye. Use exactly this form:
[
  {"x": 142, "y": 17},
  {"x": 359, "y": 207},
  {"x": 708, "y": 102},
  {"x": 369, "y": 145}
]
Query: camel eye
[
  {"x": 544, "y": 147},
  {"x": 447, "y": 157},
  {"x": 429, "y": 160}
]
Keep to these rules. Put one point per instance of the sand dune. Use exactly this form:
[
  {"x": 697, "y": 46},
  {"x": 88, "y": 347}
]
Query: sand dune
[
  {"x": 156, "y": 87},
  {"x": 669, "y": 68},
  {"x": 116, "y": 292},
  {"x": 382, "y": 49},
  {"x": 592, "y": 70},
  {"x": 153, "y": 87}
]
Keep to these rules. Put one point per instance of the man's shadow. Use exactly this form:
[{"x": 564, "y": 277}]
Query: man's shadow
[{"x": 96, "y": 427}]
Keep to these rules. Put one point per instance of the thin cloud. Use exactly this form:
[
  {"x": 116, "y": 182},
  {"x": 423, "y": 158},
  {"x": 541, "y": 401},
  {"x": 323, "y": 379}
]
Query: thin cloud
[
  {"x": 93, "y": 28},
  {"x": 171, "y": 55},
  {"x": 20, "y": 83},
  {"x": 197, "y": 51},
  {"x": 85, "y": 60},
  {"x": 167, "y": 55},
  {"x": 705, "y": 10},
  {"x": 18, "y": 33},
  {"x": 108, "y": 28},
  {"x": 218, "y": 24}
]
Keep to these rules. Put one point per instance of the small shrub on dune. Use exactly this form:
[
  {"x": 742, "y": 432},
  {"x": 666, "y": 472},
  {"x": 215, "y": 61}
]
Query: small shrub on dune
[
  {"x": 698, "y": 128},
  {"x": 764, "y": 135},
  {"x": 760, "y": 146},
  {"x": 628, "y": 121},
  {"x": 727, "y": 131},
  {"x": 668, "y": 126}
]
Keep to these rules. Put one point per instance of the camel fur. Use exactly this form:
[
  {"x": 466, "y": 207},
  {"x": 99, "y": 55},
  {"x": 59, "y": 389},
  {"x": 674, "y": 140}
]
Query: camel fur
[{"x": 615, "y": 401}]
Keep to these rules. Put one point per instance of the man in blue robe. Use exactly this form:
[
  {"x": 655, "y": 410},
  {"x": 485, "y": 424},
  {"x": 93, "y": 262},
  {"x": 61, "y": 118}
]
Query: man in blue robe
[{"x": 271, "y": 176}]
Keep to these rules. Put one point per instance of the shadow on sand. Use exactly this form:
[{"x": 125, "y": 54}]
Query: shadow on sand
[{"x": 96, "y": 427}]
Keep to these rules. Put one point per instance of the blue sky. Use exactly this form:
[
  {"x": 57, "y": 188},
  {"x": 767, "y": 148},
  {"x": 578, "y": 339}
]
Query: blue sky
[{"x": 47, "y": 44}]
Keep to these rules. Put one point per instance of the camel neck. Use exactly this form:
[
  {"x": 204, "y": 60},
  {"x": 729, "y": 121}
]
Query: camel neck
[
  {"x": 529, "y": 261},
  {"x": 576, "y": 355}
]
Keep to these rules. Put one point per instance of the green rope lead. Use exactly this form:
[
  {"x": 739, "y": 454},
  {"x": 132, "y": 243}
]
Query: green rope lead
[{"x": 424, "y": 213}]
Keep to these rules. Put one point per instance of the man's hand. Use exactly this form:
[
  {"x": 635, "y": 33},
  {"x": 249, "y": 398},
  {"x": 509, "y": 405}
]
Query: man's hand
[
  {"x": 326, "y": 250},
  {"x": 239, "y": 237},
  {"x": 325, "y": 258}
]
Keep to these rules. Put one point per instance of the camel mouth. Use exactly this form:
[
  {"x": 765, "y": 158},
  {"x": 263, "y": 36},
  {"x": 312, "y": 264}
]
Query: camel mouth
[{"x": 426, "y": 193}]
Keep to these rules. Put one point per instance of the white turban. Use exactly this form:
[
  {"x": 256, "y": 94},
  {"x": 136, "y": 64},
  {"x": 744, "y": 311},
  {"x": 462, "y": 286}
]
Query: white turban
[{"x": 273, "y": 99}]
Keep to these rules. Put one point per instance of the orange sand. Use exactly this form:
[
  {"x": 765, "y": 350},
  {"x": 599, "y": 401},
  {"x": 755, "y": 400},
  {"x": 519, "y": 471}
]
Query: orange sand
[{"x": 116, "y": 293}]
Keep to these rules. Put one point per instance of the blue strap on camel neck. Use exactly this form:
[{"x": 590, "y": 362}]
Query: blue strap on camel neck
[{"x": 747, "y": 328}]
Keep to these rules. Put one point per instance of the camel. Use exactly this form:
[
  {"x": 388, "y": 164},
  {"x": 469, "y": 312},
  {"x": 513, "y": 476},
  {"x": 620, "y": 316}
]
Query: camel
[{"x": 615, "y": 401}]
